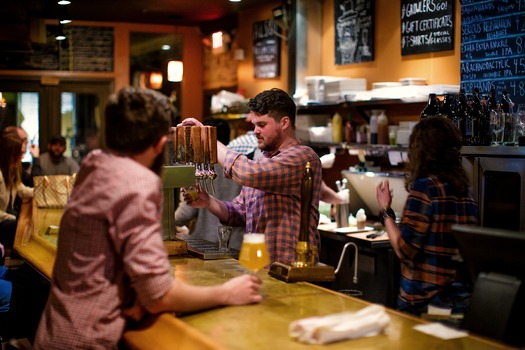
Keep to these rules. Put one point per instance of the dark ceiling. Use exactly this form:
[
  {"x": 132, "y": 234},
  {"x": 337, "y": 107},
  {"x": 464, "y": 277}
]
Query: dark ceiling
[{"x": 173, "y": 12}]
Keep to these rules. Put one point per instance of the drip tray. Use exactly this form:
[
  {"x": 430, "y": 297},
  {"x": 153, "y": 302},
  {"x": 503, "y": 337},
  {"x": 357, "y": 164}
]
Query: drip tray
[{"x": 206, "y": 250}]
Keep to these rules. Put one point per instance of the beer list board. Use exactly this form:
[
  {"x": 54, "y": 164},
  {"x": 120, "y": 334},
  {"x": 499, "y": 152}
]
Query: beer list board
[
  {"x": 427, "y": 26},
  {"x": 493, "y": 47},
  {"x": 266, "y": 49}
]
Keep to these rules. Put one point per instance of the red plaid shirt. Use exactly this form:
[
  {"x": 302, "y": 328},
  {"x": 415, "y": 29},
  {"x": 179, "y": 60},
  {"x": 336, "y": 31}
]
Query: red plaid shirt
[
  {"x": 109, "y": 252},
  {"x": 270, "y": 200}
]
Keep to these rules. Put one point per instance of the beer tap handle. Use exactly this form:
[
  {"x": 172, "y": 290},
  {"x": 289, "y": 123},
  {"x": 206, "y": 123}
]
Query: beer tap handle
[
  {"x": 181, "y": 147},
  {"x": 198, "y": 157},
  {"x": 206, "y": 153},
  {"x": 187, "y": 142}
]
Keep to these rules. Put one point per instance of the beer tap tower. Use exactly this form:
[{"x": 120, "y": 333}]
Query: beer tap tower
[{"x": 304, "y": 268}]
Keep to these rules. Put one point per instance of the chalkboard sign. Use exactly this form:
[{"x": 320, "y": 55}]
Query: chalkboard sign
[
  {"x": 266, "y": 49},
  {"x": 354, "y": 31},
  {"x": 427, "y": 26},
  {"x": 91, "y": 49},
  {"x": 493, "y": 47}
]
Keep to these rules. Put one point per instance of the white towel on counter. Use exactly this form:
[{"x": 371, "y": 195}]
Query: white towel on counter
[{"x": 368, "y": 321}]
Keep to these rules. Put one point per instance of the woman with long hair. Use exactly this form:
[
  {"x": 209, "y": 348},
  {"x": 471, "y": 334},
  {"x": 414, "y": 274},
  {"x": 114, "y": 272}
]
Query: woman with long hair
[
  {"x": 438, "y": 197},
  {"x": 10, "y": 187}
]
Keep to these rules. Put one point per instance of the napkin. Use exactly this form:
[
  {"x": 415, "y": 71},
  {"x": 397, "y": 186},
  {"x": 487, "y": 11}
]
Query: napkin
[{"x": 368, "y": 321}]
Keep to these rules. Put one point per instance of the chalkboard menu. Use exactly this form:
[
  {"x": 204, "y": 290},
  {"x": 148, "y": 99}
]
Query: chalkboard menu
[
  {"x": 427, "y": 26},
  {"x": 354, "y": 31},
  {"x": 493, "y": 47},
  {"x": 266, "y": 49}
]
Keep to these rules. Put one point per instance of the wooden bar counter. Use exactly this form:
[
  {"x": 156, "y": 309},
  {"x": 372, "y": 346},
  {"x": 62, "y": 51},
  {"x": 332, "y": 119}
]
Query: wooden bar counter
[
  {"x": 258, "y": 326},
  {"x": 265, "y": 325}
]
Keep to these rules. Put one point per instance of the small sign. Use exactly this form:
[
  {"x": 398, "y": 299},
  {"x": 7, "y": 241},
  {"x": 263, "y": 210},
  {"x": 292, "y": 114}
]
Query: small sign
[
  {"x": 266, "y": 49},
  {"x": 427, "y": 26}
]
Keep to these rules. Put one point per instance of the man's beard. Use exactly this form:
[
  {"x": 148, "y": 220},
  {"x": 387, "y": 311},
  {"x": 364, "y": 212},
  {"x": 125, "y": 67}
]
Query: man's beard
[
  {"x": 158, "y": 163},
  {"x": 272, "y": 144}
]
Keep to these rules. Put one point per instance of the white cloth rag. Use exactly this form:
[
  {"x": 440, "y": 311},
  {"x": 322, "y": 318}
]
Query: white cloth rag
[{"x": 368, "y": 321}]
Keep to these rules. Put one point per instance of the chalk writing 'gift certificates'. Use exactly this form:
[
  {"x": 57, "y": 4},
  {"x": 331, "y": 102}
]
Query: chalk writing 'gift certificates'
[{"x": 427, "y": 26}]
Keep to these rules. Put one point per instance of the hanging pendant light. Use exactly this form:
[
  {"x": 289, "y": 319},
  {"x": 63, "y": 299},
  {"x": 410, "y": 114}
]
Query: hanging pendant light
[{"x": 175, "y": 71}]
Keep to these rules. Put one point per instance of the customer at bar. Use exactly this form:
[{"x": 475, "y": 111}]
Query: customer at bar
[
  {"x": 438, "y": 196},
  {"x": 53, "y": 162},
  {"x": 111, "y": 261},
  {"x": 270, "y": 199},
  {"x": 28, "y": 170},
  {"x": 11, "y": 186}
]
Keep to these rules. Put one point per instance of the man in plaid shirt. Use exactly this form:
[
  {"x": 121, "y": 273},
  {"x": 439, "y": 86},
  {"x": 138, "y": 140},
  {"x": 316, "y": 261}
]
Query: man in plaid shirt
[{"x": 270, "y": 200}]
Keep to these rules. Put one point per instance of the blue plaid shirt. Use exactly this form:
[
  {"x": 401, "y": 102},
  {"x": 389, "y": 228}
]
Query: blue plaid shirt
[
  {"x": 244, "y": 144},
  {"x": 428, "y": 268}
]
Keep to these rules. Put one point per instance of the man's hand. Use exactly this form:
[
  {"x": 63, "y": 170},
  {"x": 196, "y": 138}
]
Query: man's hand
[
  {"x": 242, "y": 290},
  {"x": 135, "y": 312},
  {"x": 190, "y": 122},
  {"x": 195, "y": 197}
]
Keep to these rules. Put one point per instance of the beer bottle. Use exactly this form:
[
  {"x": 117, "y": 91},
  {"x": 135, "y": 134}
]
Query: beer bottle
[
  {"x": 449, "y": 109},
  {"x": 468, "y": 139},
  {"x": 432, "y": 107}
]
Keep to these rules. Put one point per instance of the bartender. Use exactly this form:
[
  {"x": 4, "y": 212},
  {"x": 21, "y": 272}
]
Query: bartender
[{"x": 270, "y": 199}]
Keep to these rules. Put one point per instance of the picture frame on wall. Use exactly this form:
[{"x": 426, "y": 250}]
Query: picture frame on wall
[
  {"x": 266, "y": 49},
  {"x": 354, "y": 31}
]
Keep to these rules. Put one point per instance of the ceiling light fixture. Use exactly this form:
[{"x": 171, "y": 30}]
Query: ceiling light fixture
[
  {"x": 64, "y": 2},
  {"x": 64, "y": 15},
  {"x": 60, "y": 33},
  {"x": 235, "y": 0}
]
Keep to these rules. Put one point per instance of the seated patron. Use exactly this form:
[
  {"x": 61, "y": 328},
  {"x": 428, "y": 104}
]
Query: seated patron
[{"x": 53, "y": 162}]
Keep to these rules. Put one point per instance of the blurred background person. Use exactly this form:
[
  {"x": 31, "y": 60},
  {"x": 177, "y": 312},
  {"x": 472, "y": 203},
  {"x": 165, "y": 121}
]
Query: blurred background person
[
  {"x": 438, "y": 197},
  {"x": 28, "y": 170},
  {"x": 53, "y": 162},
  {"x": 201, "y": 222},
  {"x": 11, "y": 186}
]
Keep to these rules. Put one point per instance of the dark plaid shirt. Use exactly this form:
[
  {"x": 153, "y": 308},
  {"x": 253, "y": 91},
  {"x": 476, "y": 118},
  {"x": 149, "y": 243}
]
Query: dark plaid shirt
[
  {"x": 428, "y": 270},
  {"x": 270, "y": 200}
]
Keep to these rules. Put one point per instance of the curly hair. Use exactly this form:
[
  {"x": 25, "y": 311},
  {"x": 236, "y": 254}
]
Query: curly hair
[
  {"x": 435, "y": 150},
  {"x": 276, "y": 103},
  {"x": 11, "y": 159},
  {"x": 137, "y": 118}
]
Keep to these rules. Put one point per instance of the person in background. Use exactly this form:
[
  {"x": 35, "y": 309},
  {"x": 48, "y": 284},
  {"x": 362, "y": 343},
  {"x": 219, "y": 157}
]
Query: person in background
[
  {"x": 53, "y": 162},
  {"x": 438, "y": 197},
  {"x": 29, "y": 170},
  {"x": 247, "y": 143},
  {"x": 11, "y": 186},
  {"x": 111, "y": 262},
  {"x": 206, "y": 223},
  {"x": 270, "y": 199}
]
